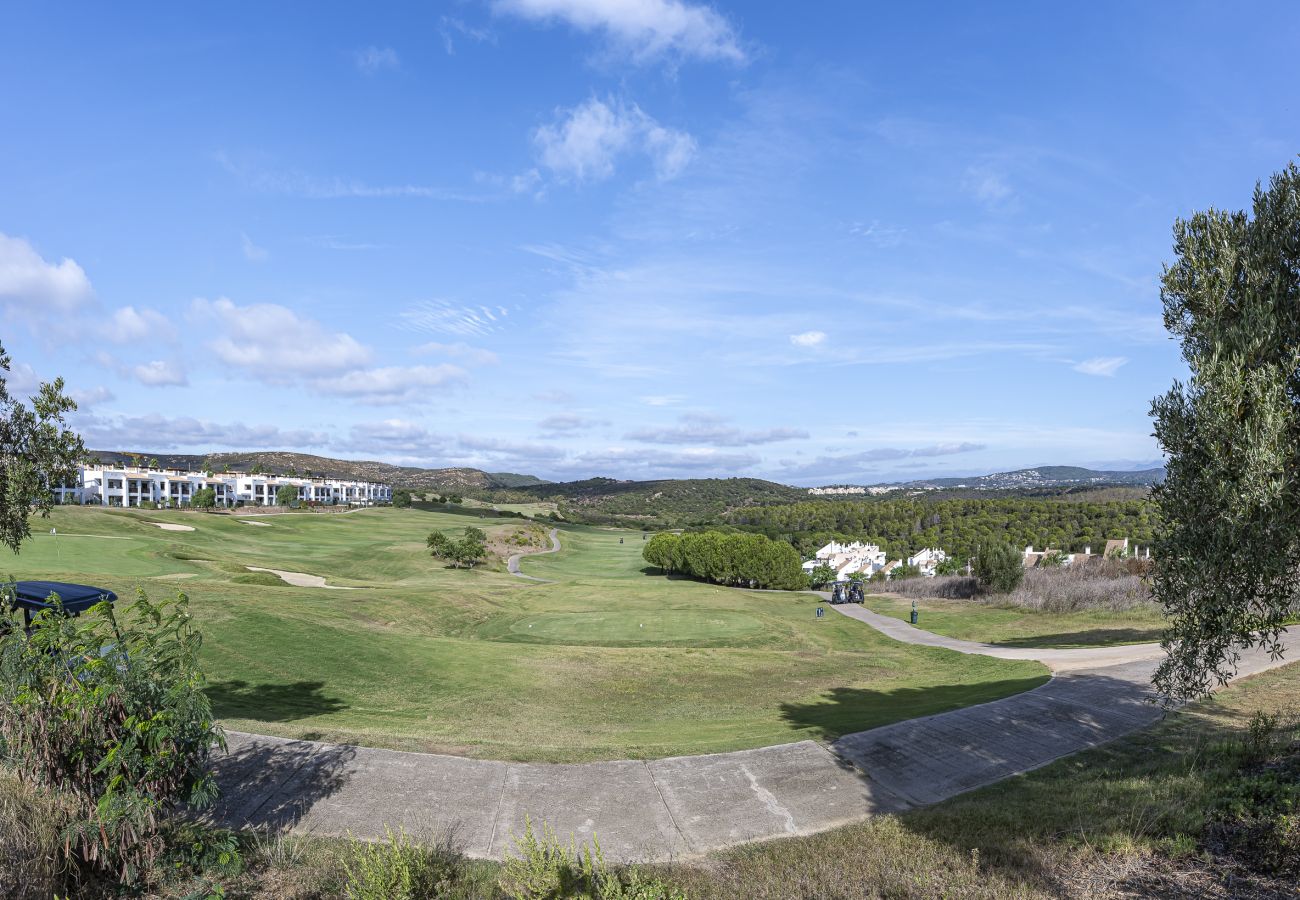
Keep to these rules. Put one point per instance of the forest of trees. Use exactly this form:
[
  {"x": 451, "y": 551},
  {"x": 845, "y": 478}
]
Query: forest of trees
[
  {"x": 958, "y": 526},
  {"x": 748, "y": 560}
]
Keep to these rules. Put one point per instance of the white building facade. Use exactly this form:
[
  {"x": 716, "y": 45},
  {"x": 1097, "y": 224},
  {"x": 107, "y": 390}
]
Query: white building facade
[
  {"x": 109, "y": 485},
  {"x": 847, "y": 559}
]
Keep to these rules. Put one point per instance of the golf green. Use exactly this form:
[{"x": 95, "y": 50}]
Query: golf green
[{"x": 620, "y": 662}]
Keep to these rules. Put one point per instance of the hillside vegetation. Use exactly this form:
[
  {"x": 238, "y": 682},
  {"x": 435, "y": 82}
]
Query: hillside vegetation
[
  {"x": 904, "y": 526},
  {"x": 669, "y": 502}
]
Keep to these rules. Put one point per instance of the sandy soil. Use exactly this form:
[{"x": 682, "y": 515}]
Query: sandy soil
[{"x": 301, "y": 579}]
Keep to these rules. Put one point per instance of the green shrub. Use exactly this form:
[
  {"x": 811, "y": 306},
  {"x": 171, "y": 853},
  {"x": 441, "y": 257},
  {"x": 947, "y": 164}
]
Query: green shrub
[
  {"x": 108, "y": 714},
  {"x": 545, "y": 869},
  {"x": 999, "y": 568},
  {"x": 398, "y": 868}
]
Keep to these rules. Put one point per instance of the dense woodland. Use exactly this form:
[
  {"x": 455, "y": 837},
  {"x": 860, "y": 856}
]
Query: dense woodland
[{"x": 958, "y": 526}]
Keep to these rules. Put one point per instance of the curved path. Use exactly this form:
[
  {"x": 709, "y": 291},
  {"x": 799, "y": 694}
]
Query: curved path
[
  {"x": 685, "y": 806},
  {"x": 512, "y": 564}
]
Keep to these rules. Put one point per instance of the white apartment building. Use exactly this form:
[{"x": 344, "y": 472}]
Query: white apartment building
[
  {"x": 121, "y": 485},
  {"x": 846, "y": 559},
  {"x": 927, "y": 560}
]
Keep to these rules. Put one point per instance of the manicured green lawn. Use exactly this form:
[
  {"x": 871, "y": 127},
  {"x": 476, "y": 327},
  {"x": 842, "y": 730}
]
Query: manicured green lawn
[
  {"x": 1015, "y": 626},
  {"x": 617, "y": 663}
]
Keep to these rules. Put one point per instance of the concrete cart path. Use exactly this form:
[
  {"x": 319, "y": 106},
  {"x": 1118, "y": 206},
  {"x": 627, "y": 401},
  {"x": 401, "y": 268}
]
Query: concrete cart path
[
  {"x": 1056, "y": 660},
  {"x": 512, "y": 564},
  {"x": 685, "y": 806}
]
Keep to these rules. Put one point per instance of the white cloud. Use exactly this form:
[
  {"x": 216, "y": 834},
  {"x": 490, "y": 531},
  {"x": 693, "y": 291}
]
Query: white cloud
[
  {"x": 129, "y": 325},
  {"x": 707, "y": 429},
  {"x": 553, "y": 396},
  {"x": 662, "y": 399},
  {"x": 371, "y": 59},
  {"x": 1104, "y": 366},
  {"x": 585, "y": 141},
  {"x": 864, "y": 464},
  {"x": 157, "y": 432},
  {"x": 273, "y": 343},
  {"x": 85, "y": 399},
  {"x": 808, "y": 338},
  {"x": 462, "y": 351},
  {"x": 568, "y": 423},
  {"x": 159, "y": 373},
  {"x": 252, "y": 252},
  {"x": 389, "y": 384},
  {"x": 392, "y": 436},
  {"x": 30, "y": 284},
  {"x": 645, "y": 29}
]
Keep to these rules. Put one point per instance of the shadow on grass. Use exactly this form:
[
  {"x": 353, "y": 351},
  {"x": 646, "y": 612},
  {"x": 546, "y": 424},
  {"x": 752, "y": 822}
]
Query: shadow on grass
[
  {"x": 266, "y": 783},
  {"x": 1095, "y": 637},
  {"x": 848, "y": 710},
  {"x": 236, "y": 699}
]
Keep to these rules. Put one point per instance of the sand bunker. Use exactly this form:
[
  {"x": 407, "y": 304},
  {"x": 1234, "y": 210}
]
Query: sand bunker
[
  {"x": 259, "y": 524},
  {"x": 301, "y": 579},
  {"x": 168, "y": 526}
]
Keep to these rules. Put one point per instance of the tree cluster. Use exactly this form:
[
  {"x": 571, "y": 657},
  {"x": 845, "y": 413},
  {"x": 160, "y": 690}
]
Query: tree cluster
[
  {"x": 749, "y": 560},
  {"x": 959, "y": 526},
  {"x": 467, "y": 551},
  {"x": 401, "y": 498}
]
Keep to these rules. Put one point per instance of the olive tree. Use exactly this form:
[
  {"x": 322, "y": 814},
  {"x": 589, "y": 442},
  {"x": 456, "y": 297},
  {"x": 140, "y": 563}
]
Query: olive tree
[
  {"x": 37, "y": 452},
  {"x": 1227, "y": 552}
]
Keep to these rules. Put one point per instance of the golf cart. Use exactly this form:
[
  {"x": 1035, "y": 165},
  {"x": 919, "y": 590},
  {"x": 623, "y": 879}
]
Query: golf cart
[
  {"x": 34, "y": 597},
  {"x": 846, "y": 592}
]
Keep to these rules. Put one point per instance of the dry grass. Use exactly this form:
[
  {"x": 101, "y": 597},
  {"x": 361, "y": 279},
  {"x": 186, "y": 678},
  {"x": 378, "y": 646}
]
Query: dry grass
[{"x": 1113, "y": 585}]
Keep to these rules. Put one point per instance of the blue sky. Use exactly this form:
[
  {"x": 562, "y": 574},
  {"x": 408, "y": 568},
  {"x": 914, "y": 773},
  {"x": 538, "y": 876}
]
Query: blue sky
[{"x": 824, "y": 243}]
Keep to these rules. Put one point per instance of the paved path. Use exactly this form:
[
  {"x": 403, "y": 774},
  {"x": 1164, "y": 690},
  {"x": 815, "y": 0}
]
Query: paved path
[
  {"x": 512, "y": 564},
  {"x": 1056, "y": 660},
  {"x": 686, "y": 806}
]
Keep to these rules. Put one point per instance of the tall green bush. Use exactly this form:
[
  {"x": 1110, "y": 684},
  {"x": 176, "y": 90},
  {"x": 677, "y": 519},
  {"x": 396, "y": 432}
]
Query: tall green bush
[
  {"x": 999, "y": 568},
  {"x": 106, "y": 711}
]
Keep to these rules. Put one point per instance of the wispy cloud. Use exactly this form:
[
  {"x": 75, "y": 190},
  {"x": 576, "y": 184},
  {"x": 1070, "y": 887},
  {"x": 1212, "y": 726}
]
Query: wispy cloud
[
  {"x": 445, "y": 317},
  {"x": 296, "y": 183},
  {"x": 372, "y": 59},
  {"x": 1104, "y": 366},
  {"x": 568, "y": 424},
  {"x": 704, "y": 430},
  {"x": 864, "y": 463},
  {"x": 453, "y": 29},
  {"x": 643, "y": 30},
  {"x": 459, "y": 350},
  {"x": 252, "y": 252},
  {"x": 160, "y": 373}
]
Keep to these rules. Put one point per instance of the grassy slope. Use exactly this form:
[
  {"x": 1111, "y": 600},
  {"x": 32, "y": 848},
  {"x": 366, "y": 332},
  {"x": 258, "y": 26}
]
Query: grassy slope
[
  {"x": 425, "y": 657},
  {"x": 1015, "y": 626}
]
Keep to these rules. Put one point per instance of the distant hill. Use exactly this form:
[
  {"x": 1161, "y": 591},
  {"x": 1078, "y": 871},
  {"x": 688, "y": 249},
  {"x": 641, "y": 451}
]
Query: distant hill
[
  {"x": 458, "y": 480},
  {"x": 678, "y": 501},
  {"x": 1040, "y": 477}
]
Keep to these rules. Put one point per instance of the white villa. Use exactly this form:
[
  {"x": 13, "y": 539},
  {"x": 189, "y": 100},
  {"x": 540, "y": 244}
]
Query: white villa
[
  {"x": 846, "y": 559},
  {"x": 122, "y": 485},
  {"x": 927, "y": 560}
]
